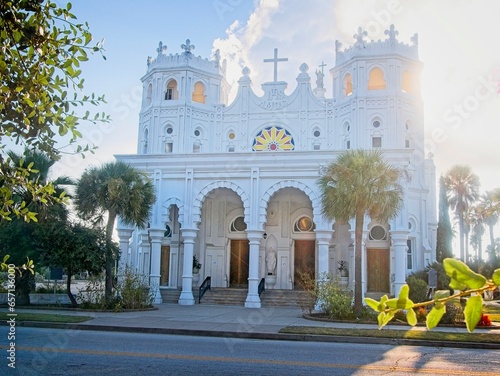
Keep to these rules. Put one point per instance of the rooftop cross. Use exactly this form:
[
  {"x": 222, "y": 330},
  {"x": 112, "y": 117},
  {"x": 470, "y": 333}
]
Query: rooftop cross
[
  {"x": 275, "y": 60},
  {"x": 322, "y": 66}
]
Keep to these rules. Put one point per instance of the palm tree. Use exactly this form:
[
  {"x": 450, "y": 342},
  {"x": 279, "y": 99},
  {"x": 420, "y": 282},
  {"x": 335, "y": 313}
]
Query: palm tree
[
  {"x": 462, "y": 186},
  {"x": 114, "y": 189},
  {"x": 489, "y": 205},
  {"x": 358, "y": 183}
]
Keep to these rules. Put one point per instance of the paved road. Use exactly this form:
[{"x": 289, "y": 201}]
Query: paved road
[{"x": 63, "y": 352}]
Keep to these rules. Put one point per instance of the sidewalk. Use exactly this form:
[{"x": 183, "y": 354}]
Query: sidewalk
[{"x": 234, "y": 322}]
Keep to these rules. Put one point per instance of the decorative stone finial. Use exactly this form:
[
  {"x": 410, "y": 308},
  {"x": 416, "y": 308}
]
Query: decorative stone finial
[
  {"x": 414, "y": 39},
  {"x": 304, "y": 67},
  {"x": 338, "y": 46},
  {"x": 245, "y": 71},
  {"x": 161, "y": 48},
  {"x": 392, "y": 33},
  {"x": 187, "y": 47},
  {"x": 149, "y": 61},
  {"x": 360, "y": 42},
  {"x": 217, "y": 58}
]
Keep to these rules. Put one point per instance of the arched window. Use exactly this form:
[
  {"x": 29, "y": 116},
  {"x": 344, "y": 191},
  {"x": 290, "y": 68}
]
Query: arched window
[
  {"x": 149, "y": 94},
  {"x": 406, "y": 82},
  {"x": 238, "y": 225},
  {"x": 347, "y": 84},
  {"x": 198, "y": 93},
  {"x": 376, "y": 80},
  {"x": 304, "y": 224},
  {"x": 171, "y": 92}
]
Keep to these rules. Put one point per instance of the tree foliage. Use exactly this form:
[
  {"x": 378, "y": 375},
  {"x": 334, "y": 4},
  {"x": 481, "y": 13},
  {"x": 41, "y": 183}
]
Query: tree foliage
[
  {"x": 361, "y": 183},
  {"x": 74, "y": 247},
  {"x": 112, "y": 190},
  {"x": 42, "y": 48}
]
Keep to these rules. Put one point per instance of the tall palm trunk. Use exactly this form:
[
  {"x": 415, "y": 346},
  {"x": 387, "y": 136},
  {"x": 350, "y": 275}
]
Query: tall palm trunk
[
  {"x": 462, "y": 234},
  {"x": 492, "y": 237},
  {"x": 108, "y": 291},
  {"x": 358, "y": 288}
]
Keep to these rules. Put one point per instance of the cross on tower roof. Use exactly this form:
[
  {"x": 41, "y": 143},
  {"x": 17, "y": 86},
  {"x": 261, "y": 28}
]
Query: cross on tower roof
[
  {"x": 322, "y": 66},
  {"x": 275, "y": 60}
]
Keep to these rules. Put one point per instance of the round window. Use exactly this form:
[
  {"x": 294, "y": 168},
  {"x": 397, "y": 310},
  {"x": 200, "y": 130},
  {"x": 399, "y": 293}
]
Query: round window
[
  {"x": 197, "y": 133},
  {"x": 231, "y": 136},
  {"x": 317, "y": 133},
  {"x": 377, "y": 233},
  {"x": 239, "y": 225},
  {"x": 376, "y": 123},
  {"x": 169, "y": 130},
  {"x": 304, "y": 224}
]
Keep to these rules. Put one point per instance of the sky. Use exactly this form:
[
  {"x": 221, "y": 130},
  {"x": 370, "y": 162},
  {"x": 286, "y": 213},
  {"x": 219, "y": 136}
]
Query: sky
[{"x": 458, "y": 46}]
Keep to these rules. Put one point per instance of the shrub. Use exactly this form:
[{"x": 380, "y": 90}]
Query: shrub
[
  {"x": 335, "y": 299},
  {"x": 133, "y": 291},
  {"x": 418, "y": 289},
  {"x": 308, "y": 283}
]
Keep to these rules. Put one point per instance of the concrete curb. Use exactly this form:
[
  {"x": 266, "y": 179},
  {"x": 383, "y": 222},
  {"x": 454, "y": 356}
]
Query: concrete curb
[{"x": 265, "y": 336}]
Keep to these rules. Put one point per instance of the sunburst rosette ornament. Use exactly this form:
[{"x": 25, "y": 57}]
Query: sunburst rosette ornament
[{"x": 273, "y": 139}]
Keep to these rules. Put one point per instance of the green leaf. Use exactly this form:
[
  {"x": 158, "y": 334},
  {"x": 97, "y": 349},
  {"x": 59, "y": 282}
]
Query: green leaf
[
  {"x": 384, "y": 317},
  {"x": 373, "y": 304},
  {"x": 455, "y": 285},
  {"x": 411, "y": 317},
  {"x": 435, "y": 316},
  {"x": 496, "y": 277},
  {"x": 460, "y": 272},
  {"x": 473, "y": 312},
  {"x": 402, "y": 302}
]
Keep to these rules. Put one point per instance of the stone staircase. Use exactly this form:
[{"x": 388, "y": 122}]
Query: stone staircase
[
  {"x": 283, "y": 298},
  {"x": 170, "y": 295},
  {"x": 237, "y": 297},
  {"x": 224, "y": 296}
]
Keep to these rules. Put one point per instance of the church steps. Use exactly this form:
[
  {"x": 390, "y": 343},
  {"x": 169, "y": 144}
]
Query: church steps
[{"x": 170, "y": 295}]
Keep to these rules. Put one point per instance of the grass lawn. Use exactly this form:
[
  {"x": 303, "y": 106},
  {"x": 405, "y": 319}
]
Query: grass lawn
[
  {"x": 396, "y": 334},
  {"x": 45, "y": 317}
]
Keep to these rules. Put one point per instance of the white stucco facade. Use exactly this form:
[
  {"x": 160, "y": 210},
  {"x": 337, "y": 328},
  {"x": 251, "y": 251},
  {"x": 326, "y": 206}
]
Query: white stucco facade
[{"x": 236, "y": 183}]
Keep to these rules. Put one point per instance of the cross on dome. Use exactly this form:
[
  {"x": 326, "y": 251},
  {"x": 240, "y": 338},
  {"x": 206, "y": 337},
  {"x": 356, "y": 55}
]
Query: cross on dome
[{"x": 275, "y": 60}]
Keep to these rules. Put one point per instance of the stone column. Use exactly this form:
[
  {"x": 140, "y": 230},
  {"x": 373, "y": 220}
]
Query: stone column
[
  {"x": 253, "y": 299},
  {"x": 154, "y": 277},
  {"x": 399, "y": 240},
  {"x": 124, "y": 234},
  {"x": 323, "y": 238},
  {"x": 186, "y": 298}
]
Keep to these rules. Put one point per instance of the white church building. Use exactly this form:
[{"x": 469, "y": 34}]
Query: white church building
[{"x": 236, "y": 183}]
